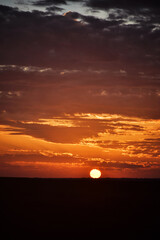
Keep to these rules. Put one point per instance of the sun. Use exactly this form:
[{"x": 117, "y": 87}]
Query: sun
[{"x": 95, "y": 173}]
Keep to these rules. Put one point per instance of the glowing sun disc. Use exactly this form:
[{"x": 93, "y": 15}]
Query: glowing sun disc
[{"x": 95, "y": 173}]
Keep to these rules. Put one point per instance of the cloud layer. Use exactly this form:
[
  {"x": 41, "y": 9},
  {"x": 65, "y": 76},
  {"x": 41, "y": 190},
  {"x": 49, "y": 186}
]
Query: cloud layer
[{"x": 83, "y": 82}]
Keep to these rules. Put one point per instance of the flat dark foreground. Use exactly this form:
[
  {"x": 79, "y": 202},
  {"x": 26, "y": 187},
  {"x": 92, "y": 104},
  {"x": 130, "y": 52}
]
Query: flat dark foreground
[{"x": 76, "y": 208}]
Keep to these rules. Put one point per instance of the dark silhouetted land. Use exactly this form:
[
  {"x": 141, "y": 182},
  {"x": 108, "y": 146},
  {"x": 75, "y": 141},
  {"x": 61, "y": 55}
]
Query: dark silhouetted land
[{"x": 70, "y": 208}]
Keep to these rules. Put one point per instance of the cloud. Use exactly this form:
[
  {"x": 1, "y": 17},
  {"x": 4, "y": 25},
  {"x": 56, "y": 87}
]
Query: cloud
[
  {"x": 95, "y": 43},
  {"x": 48, "y": 2},
  {"x": 39, "y": 160},
  {"x": 73, "y": 15},
  {"x": 83, "y": 79},
  {"x": 38, "y": 90},
  {"x": 125, "y": 165},
  {"x": 58, "y": 134},
  {"x": 147, "y": 147},
  {"x": 53, "y": 9},
  {"x": 142, "y": 149},
  {"x": 104, "y": 131},
  {"x": 122, "y": 4},
  {"x": 105, "y": 4}
]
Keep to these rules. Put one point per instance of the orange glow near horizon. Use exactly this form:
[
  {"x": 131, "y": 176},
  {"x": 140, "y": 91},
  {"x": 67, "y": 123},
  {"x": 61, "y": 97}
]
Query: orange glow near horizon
[{"x": 119, "y": 145}]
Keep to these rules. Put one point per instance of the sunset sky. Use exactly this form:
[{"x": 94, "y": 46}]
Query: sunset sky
[{"x": 79, "y": 88}]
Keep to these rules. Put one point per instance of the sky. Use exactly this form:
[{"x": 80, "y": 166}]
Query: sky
[{"x": 79, "y": 88}]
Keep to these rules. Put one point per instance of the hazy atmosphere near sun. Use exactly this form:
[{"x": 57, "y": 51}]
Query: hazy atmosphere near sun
[{"x": 79, "y": 88}]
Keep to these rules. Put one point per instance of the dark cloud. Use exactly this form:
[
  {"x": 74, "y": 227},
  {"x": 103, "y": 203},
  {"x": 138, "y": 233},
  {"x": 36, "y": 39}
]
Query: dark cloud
[
  {"x": 29, "y": 159},
  {"x": 105, "y": 4},
  {"x": 57, "y": 134},
  {"x": 148, "y": 147},
  {"x": 94, "y": 44},
  {"x": 53, "y": 9},
  {"x": 40, "y": 157},
  {"x": 54, "y": 2},
  {"x": 89, "y": 43},
  {"x": 123, "y": 165},
  {"x": 48, "y": 2},
  {"x": 145, "y": 147},
  {"x": 42, "y": 93},
  {"x": 78, "y": 130},
  {"x": 97, "y": 65}
]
